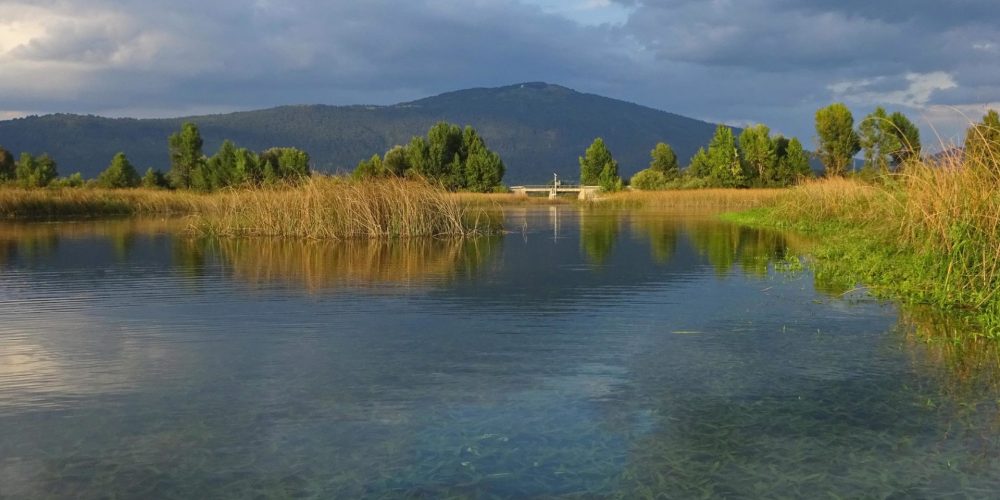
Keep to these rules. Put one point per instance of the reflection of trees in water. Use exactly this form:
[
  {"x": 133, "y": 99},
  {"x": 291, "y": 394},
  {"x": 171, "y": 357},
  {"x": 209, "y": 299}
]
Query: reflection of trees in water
[
  {"x": 317, "y": 265},
  {"x": 661, "y": 232},
  {"x": 725, "y": 245},
  {"x": 598, "y": 233}
]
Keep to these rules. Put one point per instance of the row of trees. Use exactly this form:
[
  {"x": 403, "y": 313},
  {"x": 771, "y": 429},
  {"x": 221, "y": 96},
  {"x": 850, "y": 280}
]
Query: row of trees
[
  {"x": 755, "y": 158},
  {"x": 41, "y": 171},
  {"x": 456, "y": 158},
  {"x": 231, "y": 165},
  {"x": 189, "y": 167}
]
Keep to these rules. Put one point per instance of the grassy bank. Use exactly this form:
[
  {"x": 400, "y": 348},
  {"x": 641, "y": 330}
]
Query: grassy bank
[{"x": 929, "y": 235}]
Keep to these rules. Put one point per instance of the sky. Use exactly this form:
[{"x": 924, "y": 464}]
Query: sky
[{"x": 730, "y": 61}]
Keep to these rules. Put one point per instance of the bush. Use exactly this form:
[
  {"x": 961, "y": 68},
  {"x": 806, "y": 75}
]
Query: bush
[{"x": 649, "y": 180}]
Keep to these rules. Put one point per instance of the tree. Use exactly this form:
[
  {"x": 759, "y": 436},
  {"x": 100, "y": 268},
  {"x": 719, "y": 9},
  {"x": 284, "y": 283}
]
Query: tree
[
  {"x": 35, "y": 172},
  {"x": 186, "y": 157},
  {"x": 838, "y": 143},
  {"x": 664, "y": 161},
  {"x": 444, "y": 160},
  {"x": 396, "y": 161},
  {"x": 907, "y": 137},
  {"x": 246, "y": 169},
  {"x": 220, "y": 170},
  {"x": 610, "y": 181},
  {"x": 793, "y": 165},
  {"x": 878, "y": 141},
  {"x": 288, "y": 164},
  {"x": 483, "y": 169},
  {"x": 7, "y": 166},
  {"x": 120, "y": 174},
  {"x": 594, "y": 161},
  {"x": 154, "y": 179},
  {"x": 725, "y": 168},
  {"x": 369, "y": 169},
  {"x": 699, "y": 166},
  {"x": 982, "y": 142},
  {"x": 758, "y": 153}
]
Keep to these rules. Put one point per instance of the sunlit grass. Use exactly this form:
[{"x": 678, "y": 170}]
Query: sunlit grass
[
  {"x": 16, "y": 203},
  {"x": 928, "y": 234},
  {"x": 703, "y": 199}
]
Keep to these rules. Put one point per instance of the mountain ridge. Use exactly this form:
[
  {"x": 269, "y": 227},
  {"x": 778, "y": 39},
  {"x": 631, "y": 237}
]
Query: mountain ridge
[{"x": 537, "y": 127}]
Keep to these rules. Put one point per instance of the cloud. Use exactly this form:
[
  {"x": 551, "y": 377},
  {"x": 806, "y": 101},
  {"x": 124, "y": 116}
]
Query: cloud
[
  {"x": 920, "y": 87},
  {"x": 772, "y": 61}
]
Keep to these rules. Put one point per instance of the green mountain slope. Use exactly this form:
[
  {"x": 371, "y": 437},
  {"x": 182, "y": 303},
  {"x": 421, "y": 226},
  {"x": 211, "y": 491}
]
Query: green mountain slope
[{"x": 538, "y": 129}]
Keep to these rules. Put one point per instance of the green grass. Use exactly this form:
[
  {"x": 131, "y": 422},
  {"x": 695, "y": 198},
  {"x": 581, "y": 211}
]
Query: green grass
[{"x": 928, "y": 236}]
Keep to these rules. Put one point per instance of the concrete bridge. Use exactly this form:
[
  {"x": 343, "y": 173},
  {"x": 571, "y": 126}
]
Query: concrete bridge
[{"x": 583, "y": 192}]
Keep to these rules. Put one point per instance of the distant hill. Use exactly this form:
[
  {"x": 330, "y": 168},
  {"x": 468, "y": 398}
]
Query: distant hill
[{"x": 538, "y": 129}]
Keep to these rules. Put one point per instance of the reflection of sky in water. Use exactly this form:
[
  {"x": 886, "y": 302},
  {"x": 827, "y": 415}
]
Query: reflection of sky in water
[{"x": 586, "y": 354}]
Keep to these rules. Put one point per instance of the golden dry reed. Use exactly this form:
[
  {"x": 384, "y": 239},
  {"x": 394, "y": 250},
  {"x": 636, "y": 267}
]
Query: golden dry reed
[
  {"x": 17, "y": 203},
  {"x": 331, "y": 208}
]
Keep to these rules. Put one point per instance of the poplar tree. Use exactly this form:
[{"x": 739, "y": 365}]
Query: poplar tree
[
  {"x": 907, "y": 137},
  {"x": 664, "y": 160},
  {"x": 838, "y": 143},
  {"x": 878, "y": 141},
  {"x": 758, "y": 152}
]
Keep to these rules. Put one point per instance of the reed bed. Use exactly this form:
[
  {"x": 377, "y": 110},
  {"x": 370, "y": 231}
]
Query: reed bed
[
  {"x": 717, "y": 200},
  {"x": 330, "y": 208},
  {"x": 17, "y": 203}
]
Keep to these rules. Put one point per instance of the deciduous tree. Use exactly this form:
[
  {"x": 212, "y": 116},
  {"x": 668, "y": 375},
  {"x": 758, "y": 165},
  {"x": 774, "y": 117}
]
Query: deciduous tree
[{"x": 838, "y": 142}]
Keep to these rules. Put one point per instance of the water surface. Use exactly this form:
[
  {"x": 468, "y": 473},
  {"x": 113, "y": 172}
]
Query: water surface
[{"x": 584, "y": 354}]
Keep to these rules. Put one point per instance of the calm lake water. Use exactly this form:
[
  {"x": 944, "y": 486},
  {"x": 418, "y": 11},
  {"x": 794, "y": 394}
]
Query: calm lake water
[{"x": 582, "y": 355}]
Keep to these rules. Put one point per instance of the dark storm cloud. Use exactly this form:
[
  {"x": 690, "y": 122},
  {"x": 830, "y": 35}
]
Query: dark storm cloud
[{"x": 737, "y": 61}]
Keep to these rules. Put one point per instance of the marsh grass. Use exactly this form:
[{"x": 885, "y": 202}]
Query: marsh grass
[
  {"x": 929, "y": 234},
  {"x": 330, "y": 208},
  {"x": 61, "y": 203},
  {"x": 716, "y": 200}
]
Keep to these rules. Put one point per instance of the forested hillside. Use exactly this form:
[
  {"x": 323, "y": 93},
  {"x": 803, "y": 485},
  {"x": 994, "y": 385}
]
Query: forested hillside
[{"x": 537, "y": 128}]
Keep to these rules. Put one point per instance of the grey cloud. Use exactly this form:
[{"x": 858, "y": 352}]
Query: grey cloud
[{"x": 759, "y": 60}]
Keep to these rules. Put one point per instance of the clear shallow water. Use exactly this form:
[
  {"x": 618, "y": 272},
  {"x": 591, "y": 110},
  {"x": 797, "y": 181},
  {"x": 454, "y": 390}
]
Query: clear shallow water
[{"x": 584, "y": 355}]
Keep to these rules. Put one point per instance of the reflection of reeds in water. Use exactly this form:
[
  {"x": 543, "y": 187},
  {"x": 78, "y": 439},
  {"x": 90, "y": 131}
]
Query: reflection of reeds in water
[
  {"x": 318, "y": 265},
  {"x": 30, "y": 239},
  {"x": 966, "y": 363}
]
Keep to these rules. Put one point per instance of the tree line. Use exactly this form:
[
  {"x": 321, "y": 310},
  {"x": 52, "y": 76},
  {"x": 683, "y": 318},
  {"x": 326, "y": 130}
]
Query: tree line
[
  {"x": 754, "y": 159},
  {"x": 455, "y": 158},
  {"x": 190, "y": 168}
]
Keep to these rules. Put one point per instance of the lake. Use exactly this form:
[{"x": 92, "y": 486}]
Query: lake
[{"x": 582, "y": 354}]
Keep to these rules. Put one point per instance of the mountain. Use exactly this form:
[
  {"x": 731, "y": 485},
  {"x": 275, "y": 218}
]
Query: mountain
[{"x": 537, "y": 128}]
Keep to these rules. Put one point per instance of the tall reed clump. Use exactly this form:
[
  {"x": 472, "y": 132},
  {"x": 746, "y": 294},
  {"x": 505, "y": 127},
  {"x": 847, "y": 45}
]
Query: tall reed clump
[
  {"x": 330, "y": 208},
  {"x": 928, "y": 234},
  {"x": 17, "y": 203}
]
